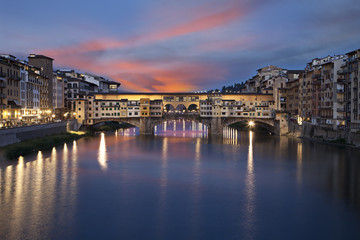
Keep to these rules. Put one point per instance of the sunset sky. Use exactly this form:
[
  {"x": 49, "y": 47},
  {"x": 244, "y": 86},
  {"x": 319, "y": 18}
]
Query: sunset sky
[{"x": 183, "y": 45}]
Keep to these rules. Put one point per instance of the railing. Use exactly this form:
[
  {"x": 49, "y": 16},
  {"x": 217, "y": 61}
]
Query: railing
[
  {"x": 2, "y": 74},
  {"x": 3, "y": 106},
  {"x": 340, "y": 110},
  {"x": 339, "y": 90},
  {"x": 316, "y": 82},
  {"x": 2, "y": 95},
  {"x": 3, "y": 84},
  {"x": 316, "y": 76},
  {"x": 342, "y": 71},
  {"x": 340, "y": 99}
]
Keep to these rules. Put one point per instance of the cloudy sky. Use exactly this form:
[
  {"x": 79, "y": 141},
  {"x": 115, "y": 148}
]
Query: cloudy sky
[{"x": 179, "y": 45}]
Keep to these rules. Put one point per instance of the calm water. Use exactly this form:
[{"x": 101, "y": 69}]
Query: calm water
[{"x": 183, "y": 185}]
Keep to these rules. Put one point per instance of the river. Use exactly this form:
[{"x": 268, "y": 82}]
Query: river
[{"x": 182, "y": 184}]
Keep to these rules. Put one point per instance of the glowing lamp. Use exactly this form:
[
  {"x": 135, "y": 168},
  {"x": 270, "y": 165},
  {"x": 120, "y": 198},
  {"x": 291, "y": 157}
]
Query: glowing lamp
[{"x": 251, "y": 123}]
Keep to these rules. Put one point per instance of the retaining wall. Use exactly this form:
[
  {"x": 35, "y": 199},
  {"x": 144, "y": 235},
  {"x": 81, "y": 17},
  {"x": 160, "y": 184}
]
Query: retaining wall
[
  {"x": 316, "y": 132},
  {"x": 14, "y": 135}
]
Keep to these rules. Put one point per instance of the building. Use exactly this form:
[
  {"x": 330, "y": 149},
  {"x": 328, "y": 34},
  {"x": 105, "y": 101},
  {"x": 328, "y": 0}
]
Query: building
[
  {"x": 349, "y": 79},
  {"x": 46, "y": 66},
  {"x": 9, "y": 90},
  {"x": 293, "y": 92}
]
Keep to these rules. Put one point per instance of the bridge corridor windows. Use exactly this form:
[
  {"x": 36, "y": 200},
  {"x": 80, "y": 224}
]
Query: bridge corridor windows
[
  {"x": 193, "y": 99},
  {"x": 180, "y": 99},
  {"x": 169, "y": 99}
]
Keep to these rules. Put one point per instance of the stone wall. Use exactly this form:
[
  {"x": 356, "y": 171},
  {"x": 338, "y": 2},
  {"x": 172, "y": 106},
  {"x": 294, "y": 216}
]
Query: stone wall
[
  {"x": 14, "y": 135},
  {"x": 316, "y": 132}
]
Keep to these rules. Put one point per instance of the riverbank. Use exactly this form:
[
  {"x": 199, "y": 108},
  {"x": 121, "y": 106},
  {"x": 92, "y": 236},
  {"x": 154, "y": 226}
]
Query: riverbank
[{"x": 13, "y": 151}]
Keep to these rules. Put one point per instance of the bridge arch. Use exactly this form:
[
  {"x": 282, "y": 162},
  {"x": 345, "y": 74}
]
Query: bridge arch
[
  {"x": 268, "y": 124},
  {"x": 169, "y": 108},
  {"x": 193, "y": 108},
  {"x": 132, "y": 121},
  {"x": 180, "y": 108}
]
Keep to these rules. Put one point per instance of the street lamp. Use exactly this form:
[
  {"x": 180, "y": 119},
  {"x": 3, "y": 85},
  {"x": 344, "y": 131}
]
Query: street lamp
[{"x": 251, "y": 124}]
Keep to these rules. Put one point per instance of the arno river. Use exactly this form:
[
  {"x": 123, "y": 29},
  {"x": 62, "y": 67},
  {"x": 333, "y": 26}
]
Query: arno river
[{"x": 183, "y": 185}]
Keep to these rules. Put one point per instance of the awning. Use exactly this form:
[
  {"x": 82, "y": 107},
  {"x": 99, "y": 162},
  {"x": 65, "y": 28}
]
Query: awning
[{"x": 13, "y": 104}]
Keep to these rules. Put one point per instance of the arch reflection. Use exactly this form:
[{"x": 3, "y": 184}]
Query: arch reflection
[{"x": 181, "y": 128}]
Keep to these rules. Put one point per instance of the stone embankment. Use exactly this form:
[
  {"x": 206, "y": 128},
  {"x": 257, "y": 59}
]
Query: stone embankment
[
  {"x": 15, "y": 135},
  {"x": 312, "y": 132}
]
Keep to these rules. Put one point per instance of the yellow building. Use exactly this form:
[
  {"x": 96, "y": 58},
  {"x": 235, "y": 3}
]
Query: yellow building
[{"x": 145, "y": 107}]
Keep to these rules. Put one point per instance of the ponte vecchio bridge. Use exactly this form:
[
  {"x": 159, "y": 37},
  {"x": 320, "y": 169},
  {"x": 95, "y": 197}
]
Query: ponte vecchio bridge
[{"x": 215, "y": 110}]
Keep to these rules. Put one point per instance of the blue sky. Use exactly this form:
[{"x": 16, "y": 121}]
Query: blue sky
[{"x": 164, "y": 45}]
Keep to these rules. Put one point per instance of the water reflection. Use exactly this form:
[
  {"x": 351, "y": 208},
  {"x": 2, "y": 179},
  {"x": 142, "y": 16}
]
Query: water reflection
[
  {"x": 178, "y": 187},
  {"x": 163, "y": 187},
  {"x": 102, "y": 157},
  {"x": 249, "y": 222},
  {"x": 230, "y": 135},
  {"x": 32, "y": 191},
  {"x": 181, "y": 128},
  {"x": 299, "y": 163}
]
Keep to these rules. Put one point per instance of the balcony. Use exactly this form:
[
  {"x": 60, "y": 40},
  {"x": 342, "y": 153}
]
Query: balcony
[
  {"x": 352, "y": 59},
  {"x": 340, "y": 117},
  {"x": 2, "y": 95},
  {"x": 340, "y": 110},
  {"x": 340, "y": 100},
  {"x": 316, "y": 82},
  {"x": 340, "y": 90},
  {"x": 342, "y": 71},
  {"x": 13, "y": 77},
  {"x": 318, "y": 76},
  {"x": 2, "y": 74},
  {"x": 3, "y": 84}
]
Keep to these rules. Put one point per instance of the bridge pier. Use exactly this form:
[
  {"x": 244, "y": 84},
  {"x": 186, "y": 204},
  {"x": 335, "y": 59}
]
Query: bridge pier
[
  {"x": 146, "y": 126},
  {"x": 216, "y": 127}
]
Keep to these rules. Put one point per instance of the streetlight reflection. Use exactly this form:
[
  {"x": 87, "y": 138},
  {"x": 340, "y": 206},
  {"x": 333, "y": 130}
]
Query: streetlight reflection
[
  {"x": 102, "y": 158},
  {"x": 249, "y": 223}
]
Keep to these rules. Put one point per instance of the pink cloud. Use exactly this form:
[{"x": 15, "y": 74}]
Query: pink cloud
[{"x": 152, "y": 75}]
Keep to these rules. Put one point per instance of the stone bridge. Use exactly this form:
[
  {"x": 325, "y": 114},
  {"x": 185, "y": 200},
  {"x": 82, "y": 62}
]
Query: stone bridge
[{"x": 215, "y": 125}]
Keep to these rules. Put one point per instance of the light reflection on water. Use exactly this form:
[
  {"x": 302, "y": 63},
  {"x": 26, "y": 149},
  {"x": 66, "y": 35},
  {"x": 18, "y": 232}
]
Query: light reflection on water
[
  {"x": 181, "y": 128},
  {"x": 102, "y": 158},
  {"x": 249, "y": 208},
  {"x": 243, "y": 186}
]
